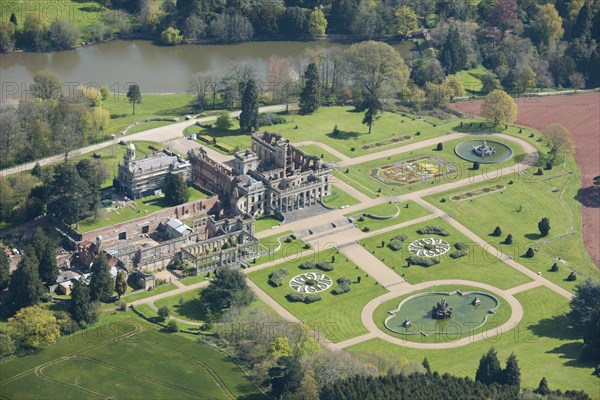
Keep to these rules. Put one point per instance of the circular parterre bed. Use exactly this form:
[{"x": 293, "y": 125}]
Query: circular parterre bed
[
  {"x": 311, "y": 282},
  {"x": 429, "y": 247}
]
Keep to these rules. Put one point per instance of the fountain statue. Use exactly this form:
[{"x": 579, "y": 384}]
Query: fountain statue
[
  {"x": 406, "y": 323},
  {"x": 484, "y": 150},
  {"x": 476, "y": 301},
  {"x": 441, "y": 310}
]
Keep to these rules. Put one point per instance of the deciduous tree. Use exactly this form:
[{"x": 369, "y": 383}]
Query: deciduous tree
[
  {"x": 34, "y": 327},
  {"x": 372, "y": 107},
  {"x": 406, "y": 20},
  {"x": 171, "y": 36},
  {"x": 547, "y": 24},
  {"x": 376, "y": 67},
  {"x": 46, "y": 85},
  {"x": 317, "y": 23},
  {"x": 134, "y": 95},
  {"x": 499, "y": 107},
  {"x": 228, "y": 289},
  {"x": 558, "y": 139}
]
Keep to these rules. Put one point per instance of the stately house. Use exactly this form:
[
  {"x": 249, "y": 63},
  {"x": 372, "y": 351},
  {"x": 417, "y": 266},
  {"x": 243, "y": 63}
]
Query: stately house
[
  {"x": 273, "y": 177},
  {"x": 139, "y": 177}
]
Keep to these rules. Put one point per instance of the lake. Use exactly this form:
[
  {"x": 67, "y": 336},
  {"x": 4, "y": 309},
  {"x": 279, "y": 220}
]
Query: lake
[{"x": 156, "y": 69}]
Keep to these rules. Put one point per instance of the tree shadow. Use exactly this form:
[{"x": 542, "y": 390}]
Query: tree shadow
[
  {"x": 115, "y": 116},
  {"x": 344, "y": 135},
  {"x": 533, "y": 236},
  {"x": 589, "y": 197},
  {"x": 556, "y": 327},
  {"x": 192, "y": 309},
  {"x": 572, "y": 352}
]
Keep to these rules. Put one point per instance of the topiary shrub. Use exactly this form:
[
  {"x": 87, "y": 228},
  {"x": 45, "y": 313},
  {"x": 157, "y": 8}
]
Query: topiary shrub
[
  {"x": 431, "y": 229},
  {"x": 306, "y": 298},
  {"x": 422, "y": 261},
  {"x": 164, "y": 312},
  {"x": 276, "y": 277},
  {"x": 497, "y": 231},
  {"x": 325, "y": 266},
  {"x": 307, "y": 265},
  {"x": 554, "y": 267},
  {"x": 530, "y": 253},
  {"x": 366, "y": 229},
  {"x": 344, "y": 285},
  {"x": 508, "y": 239},
  {"x": 572, "y": 276}
]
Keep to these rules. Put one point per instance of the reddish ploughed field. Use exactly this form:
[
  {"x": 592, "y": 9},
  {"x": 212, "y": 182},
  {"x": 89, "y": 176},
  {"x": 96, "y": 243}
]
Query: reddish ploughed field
[{"x": 580, "y": 114}]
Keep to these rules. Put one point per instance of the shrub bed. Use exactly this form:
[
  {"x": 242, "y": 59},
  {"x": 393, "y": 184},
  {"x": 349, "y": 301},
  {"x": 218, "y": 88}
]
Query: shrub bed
[
  {"x": 422, "y": 261},
  {"x": 305, "y": 298},
  {"x": 431, "y": 229}
]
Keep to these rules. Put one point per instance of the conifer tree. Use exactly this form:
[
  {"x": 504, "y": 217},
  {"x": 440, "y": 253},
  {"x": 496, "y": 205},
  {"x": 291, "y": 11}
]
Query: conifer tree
[
  {"x": 25, "y": 286},
  {"x": 544, "y": 226},
  {"x": 508, "y": 239},
  {"x": 497, "y": 231},
  {"x": 530, "y": 253},
  {"x": 4, "y": 271},
  {"x": 543, "y": 387},
  {"x": 310, "y": 98},
  {"x": 453, "y": 55},
  {"x": 176, "y": 191},
  {"x": 101, "y": 284},
  {"x": 489, "y": 370},
  {"x": 426, "y": 365},
  {"x": 121, "y": 283},
  {"x": 45, "y": 251},
  {"x": 249, "y": 114},
  {"x": 81, "y": 307},
  {"x": 512, "y": 372}
]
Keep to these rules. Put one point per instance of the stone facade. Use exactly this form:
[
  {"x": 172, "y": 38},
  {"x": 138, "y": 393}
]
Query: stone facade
[
  {"x": 150, "y": 223},
  {"x": 273, "y": 177},
  {"x": 139, "y": 177}
]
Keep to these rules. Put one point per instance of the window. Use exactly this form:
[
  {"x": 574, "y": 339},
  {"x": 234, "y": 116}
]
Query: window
[
  {"x": 122, "y": 235},
  {"x": 146, "y": 229}
]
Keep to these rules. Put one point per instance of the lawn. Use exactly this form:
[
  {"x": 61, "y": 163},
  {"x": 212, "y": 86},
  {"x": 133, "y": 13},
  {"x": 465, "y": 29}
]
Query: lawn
[
  {"x": 150, "y": 364},
  {"x": 338, "y": 198},
  {"x": 335, "y": 316},
  {"x": 543, "y": 342},
  {"x": 452, "y": 333},
  {"x": 265, "y": 222},
  {"x": 471, "y": 79},
  {"x": 517, "y": 210},
  {"x": 407, "y": 212},
  {"x": 144, "y": 126},
  {"x": 152, "y": 106},
  {"x": 283, "y": 247},
  {"x": 353, "y": 134},
  {"x": 370, "y": 179},
  {"x": 191, "y": 309},
  {"x": 478, "y": 265},
  {"x": 84, "y": 14},
  {"x": 149, "y": 293},
  {"x": 140, "y": 208},
  {"x": 193, "y": 279},
  {"x": 318, "y": 151}
]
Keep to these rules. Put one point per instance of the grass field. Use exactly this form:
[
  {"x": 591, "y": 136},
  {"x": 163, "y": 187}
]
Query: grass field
[
  {"x": 478, "y": 265},
  {"x": 148, "y": 125},
  {"x": 318, "y": 151},
  {"x": 521, "y": 206},
  {"x": 191, "y": 309},
  {"x": 144, "y": 294},
  {"x": 193, "y": 279},
  {"x": 335, "y": 316},
  {"x": 265, "y": 222},
  {"x": 338, "y": 198},
  {"x": 152, "y": 106},
  {"x": 105, "y": 361},
  {"x": 502, "y": 314},
  {"x": 289, "y": 251},
  {"x": 353, "y": 134},
  {"x": 471, "y": 79},
  {"x": 84, "y": 14},
  {"x": 543, "y": 342},
  {"x": 360, "y": 176},
  {"x": 408, "y": 211},
  {"x": 141, "y": 207}
]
